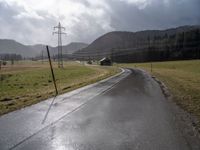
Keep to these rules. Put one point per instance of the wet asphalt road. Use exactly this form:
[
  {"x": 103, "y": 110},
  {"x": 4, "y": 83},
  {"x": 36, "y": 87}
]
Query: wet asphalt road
[{"x": 132, "y": 113}]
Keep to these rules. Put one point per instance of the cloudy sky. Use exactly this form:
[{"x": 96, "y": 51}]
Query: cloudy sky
[{"x": 32, "y": 21}]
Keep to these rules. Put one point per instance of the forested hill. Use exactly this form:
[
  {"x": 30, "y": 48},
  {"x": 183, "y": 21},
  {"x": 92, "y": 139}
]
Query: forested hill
[{"x": 177, "y": 43}]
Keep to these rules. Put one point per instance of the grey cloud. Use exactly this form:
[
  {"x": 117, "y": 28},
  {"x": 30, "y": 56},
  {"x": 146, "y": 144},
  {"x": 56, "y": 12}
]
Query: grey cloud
[
  {"x": 157, "y": 15},
  {"x": 119, "y": 16},
  {"x": 87, "y": 29},
  {"x": 25, "y": 30},
  {"x": 32, "y": 31}
]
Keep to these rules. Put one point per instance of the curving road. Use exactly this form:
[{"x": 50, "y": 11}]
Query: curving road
[{"x": 125, "y": 112}]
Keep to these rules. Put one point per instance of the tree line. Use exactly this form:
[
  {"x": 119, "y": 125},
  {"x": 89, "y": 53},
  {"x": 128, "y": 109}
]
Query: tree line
[
  {"x": 178, "y": 46},
  {"x": 9, "y": 57}
]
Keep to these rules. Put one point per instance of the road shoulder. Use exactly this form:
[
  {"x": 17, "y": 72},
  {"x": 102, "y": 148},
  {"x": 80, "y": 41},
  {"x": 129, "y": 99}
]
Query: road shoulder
[{"x": 185, "y": 122}]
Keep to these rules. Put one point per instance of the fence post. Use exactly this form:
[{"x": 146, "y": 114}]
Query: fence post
[{"x": 53, "y": 76}]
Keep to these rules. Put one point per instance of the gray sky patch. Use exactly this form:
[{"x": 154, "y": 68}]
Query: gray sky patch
[{"x": 32, "y": 21}]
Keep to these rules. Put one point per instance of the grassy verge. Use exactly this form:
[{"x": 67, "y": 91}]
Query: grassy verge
[
  {"x": 27, "y": 83},
  {"x": 182, "y": 79}
]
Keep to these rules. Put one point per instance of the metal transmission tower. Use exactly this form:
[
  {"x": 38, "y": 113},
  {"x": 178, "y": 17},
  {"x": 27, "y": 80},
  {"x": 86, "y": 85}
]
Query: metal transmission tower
[{"x": 59, "y": 32}]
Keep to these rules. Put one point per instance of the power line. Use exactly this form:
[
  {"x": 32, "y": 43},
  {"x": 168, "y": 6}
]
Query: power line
[{"x": 59, "y": 32}]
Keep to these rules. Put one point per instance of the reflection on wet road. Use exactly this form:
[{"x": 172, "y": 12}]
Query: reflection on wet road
[{"x": 128, "y": 111}]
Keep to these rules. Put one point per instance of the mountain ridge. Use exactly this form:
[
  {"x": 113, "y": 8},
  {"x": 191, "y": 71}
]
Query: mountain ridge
[
  {"x": 127, "y": 39},
  {"x": 11, "y": 46}
]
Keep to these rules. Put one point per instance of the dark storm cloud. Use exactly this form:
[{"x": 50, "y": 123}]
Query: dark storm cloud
[{"x": 158, "y": 14}]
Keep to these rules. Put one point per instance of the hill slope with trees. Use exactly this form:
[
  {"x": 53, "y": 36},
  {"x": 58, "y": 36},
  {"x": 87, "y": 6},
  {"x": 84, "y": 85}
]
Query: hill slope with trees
[{"x": 171, "y": 44}]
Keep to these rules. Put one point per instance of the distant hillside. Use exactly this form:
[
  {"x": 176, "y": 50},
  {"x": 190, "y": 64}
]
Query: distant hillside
[
  {"x": 73, "y": 47},
  {"x": 119, "y": 40},
  {"x": 70, "y": 48},
  {"x": 11, "y": 47}
]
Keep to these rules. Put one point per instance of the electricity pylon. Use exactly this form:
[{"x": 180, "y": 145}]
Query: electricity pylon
[{"x": 59, "y": 32}]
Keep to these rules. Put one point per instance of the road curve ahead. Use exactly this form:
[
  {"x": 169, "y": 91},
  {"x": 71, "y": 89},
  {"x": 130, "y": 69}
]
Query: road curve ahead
[{"x": 131, "y": 114}]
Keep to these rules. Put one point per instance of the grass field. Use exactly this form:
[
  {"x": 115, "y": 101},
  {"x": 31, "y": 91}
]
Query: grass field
[
  {"x": 182, "y": 79},
  {"x": 29, "y": 82}
]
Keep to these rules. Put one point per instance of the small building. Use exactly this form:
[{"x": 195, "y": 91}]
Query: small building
[
  {"x": 105, "y": 61},
  {"x": 89, "y": 62}
]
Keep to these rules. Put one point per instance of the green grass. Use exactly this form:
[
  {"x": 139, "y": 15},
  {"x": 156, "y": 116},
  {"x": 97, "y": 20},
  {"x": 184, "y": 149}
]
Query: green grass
[
  {"x": 27, "y": 83},
  {"x": 182, "y": 79}
]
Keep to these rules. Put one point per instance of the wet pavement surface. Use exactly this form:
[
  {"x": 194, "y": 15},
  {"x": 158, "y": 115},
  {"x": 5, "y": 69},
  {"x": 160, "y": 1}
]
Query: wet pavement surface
[{"x": 125, "y": 112}]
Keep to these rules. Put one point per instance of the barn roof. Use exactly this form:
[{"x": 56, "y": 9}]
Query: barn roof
[{"x": 105, "y": 58}]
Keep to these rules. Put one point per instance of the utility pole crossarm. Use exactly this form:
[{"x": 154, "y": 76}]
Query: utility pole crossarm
[
  {"x": 59, "y": 33},
  {"x": 59, "y": 27},
  {"x": 56, "y": 27}
]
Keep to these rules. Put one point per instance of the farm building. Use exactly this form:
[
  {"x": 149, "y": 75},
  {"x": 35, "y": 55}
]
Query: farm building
[{"x": 105, "y": 61}]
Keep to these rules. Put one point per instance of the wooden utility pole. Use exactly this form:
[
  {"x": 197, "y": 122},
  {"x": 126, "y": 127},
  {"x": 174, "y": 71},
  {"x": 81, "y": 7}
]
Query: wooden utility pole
[{"x": 53, "y": 76}]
